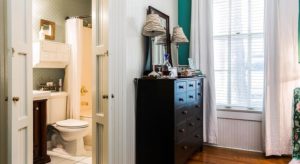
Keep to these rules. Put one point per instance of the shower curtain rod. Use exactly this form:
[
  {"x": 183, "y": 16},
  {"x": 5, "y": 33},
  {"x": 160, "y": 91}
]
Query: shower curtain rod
[{"x": 80, "y": 17}]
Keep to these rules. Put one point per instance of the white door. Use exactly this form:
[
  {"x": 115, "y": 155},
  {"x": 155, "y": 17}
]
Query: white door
[
  {"x": 101, "y": 95},
  {"x": 19, "y": 81}
]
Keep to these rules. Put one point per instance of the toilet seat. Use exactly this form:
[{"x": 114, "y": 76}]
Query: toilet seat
[{"x": 72, "y": 124}]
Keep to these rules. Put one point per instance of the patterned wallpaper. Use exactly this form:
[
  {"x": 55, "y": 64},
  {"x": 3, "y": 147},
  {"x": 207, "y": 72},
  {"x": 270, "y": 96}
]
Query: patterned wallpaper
[
  {"x": 57, "y": 11},
  {"x": 43, "y": 75}
]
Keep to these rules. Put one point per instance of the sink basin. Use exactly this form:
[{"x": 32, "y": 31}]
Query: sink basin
[{"x": 41, "y": 95}]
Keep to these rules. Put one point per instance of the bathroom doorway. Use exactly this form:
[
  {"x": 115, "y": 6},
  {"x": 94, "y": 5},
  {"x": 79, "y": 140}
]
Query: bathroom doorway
[
  {"x": 18, "y": 83},
  {"x": 76, "y": 75}
]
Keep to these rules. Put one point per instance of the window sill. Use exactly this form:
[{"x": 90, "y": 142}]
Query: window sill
[
  {"x": 244, "y": 110},
  {"x": 239, "y": 114}
]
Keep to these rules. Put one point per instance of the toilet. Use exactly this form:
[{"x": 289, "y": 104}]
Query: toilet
[{"x": 71, "y": 131}]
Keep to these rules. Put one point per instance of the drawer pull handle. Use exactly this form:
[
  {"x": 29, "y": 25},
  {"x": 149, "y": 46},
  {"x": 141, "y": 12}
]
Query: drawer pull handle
[
  {"x": 185, "y": 112},
  {"x": 185, "y": 147},
  {"x": 198, "y": 118},
  {"x": 191, "y": 97},
  {"x": 192, "y": 124},
  {"x": 181, "y": 99},
  {"x": 199, "y": 84},
  {"x": 181, "y": 87},
  {"x": 197, "y": 136},
  {"x": 191, "y": 85},
  {"x": 197, "y": 106},
  {"x": 181, "y": 130},
  {"x": 37, "y": 108},
  {"x": 199, "y": 94}
]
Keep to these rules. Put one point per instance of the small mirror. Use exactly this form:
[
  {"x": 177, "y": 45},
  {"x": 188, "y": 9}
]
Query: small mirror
[
  {"x": 48, "y": 28},
  {"x": 158, "y": 46}
]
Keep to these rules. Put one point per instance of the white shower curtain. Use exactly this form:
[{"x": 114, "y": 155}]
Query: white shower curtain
[
  {"x": 74, "y": 29},
  {"x": 201, "y": 50},
  {"x": 282, "y": 73}
]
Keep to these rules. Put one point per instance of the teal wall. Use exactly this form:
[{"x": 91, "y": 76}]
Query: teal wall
[{"x": 184, "y": 20}]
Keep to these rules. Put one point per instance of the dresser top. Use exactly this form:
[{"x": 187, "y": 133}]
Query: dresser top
[{"x": 173, "y": 79}]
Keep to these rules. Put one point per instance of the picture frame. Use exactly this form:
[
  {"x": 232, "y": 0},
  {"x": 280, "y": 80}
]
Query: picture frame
[{"x": 48, "y": 28}]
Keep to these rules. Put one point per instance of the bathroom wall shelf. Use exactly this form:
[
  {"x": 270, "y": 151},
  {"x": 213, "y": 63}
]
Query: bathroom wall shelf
[{"x": 49, "y": 54}]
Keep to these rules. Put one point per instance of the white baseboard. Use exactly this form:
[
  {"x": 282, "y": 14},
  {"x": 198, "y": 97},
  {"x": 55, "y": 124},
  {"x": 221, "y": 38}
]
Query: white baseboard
[{"x": 218, "y": 146}]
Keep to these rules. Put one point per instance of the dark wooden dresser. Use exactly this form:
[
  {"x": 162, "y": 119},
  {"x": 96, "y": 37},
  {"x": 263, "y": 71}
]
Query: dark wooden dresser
[
  {"x": 40, "y": 132},
  {"x": 169, "y": 120}
]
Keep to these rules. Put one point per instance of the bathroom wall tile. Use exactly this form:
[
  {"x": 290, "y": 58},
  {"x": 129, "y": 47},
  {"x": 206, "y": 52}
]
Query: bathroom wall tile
[
  {"x": 87, "y": 160},
  {"x": 55, "y": 160},
  {"x": 67, "y": 162},
  {"x": 43, "y": 75}
]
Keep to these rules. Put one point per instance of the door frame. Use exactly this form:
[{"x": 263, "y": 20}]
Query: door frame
[
  {"x": 3, "y": 89},
  {"x": 118, "y": 147}
]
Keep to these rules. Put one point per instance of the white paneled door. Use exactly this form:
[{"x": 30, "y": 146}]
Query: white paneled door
[
  {"x": 19, "y": 81},
  {"x": 101, "y": 95}
]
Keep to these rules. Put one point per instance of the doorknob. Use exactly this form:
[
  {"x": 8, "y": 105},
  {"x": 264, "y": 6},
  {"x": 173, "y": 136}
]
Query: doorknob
[
  {"x": 15, "y": 99},
  {"x": 105, "y": 96}
]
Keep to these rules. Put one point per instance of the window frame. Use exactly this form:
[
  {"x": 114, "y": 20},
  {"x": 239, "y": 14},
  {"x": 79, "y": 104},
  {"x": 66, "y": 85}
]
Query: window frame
[{"x": 229, "y": 37}]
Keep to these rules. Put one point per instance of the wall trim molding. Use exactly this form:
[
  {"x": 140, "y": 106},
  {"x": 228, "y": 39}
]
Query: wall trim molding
[
  {"x": 218, "y": 146},
  {"x": 3, "y": 107},
  {"x": 237, "y": 115}
]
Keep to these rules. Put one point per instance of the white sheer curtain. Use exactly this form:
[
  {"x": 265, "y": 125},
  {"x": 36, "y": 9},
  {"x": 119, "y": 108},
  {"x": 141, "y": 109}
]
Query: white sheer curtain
[
  {"x": 201, "y": 50},
  {"x": 282, "y": 73},
  {"x": 74, "y": 29}
]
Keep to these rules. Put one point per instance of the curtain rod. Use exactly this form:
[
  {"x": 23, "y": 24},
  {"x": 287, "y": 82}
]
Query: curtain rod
[{"x": 80, "y": 17}]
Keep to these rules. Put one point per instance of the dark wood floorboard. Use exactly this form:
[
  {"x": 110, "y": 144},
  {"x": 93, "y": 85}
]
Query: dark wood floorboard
[{"x": 214, "y": 155}]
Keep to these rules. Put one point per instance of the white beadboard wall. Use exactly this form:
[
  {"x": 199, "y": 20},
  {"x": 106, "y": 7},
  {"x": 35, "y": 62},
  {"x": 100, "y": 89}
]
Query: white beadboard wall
[
  {"x": 240, "y": 130},
  {"x": 117, "y": 52},
  {"x": 136, "y": 16}
]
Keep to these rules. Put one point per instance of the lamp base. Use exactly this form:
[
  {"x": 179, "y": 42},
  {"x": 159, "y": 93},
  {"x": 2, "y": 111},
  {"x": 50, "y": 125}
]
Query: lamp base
[{"x": 154, "y": 74}]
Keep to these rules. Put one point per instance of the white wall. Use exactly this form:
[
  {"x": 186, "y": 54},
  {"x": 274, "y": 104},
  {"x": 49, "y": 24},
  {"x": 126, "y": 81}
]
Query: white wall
[{"x": 136, "y": 15}]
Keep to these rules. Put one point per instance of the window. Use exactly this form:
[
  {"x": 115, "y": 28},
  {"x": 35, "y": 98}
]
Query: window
[{"x": 239, "y": 53}]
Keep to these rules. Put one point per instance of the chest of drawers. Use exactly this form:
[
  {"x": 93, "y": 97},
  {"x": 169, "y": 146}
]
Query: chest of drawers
[{"x": 169, "y": 120}]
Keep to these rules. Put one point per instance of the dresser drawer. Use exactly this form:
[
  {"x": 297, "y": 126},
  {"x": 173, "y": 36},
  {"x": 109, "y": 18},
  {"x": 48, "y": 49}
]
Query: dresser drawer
[
  {"x": 191, "y": 125},
  {"x": 191, "y": 96},
  {"x": 181, "y": 131},
  {"x": 199, "y": 83},
  {"x": 180, "y": 99},
  {"x": 180, "y": 86},
  {"x": 182, "y": 114},
  {"x": 191, "y": 85},
  {"x": 197, "y": 137},
  {"x": 199, "y": 96},
  {"x": 198, "y": 121},
  {"x": 182, "y": 152}
]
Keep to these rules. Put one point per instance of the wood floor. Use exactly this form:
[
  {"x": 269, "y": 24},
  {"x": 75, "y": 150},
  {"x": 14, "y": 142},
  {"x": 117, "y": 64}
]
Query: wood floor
[{"x": 213, "y": 155}]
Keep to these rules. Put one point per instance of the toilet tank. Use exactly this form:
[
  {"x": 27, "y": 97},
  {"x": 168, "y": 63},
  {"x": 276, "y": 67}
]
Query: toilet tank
[{"x": 57, "y": 107}]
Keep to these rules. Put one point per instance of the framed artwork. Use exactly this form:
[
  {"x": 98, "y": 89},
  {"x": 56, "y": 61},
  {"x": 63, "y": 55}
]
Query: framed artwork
[{"x": 48, "y": 29}]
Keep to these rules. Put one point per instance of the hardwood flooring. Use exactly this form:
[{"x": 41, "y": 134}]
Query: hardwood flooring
[{"x": 213, "y": 155}]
